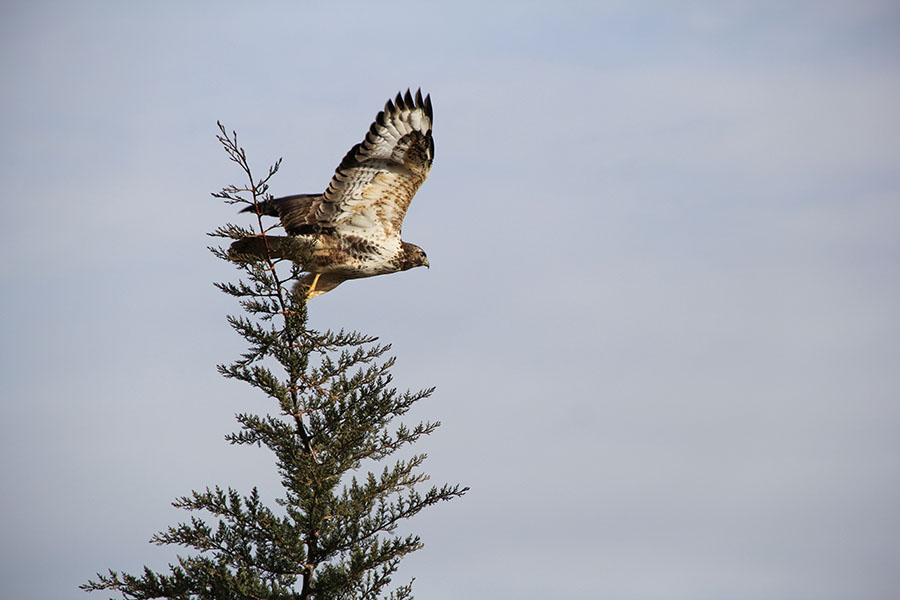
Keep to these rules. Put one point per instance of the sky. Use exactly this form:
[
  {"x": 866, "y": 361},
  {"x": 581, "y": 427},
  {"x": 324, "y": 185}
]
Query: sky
[{"x": 661, "y": 314}]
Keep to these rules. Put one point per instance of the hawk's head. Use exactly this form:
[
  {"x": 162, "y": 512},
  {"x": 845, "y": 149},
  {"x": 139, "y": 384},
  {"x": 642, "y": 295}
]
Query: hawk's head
[{"x": 411, "y": 256}]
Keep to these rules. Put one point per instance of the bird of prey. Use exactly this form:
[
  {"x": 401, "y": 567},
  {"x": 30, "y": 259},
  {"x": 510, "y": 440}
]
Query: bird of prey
[{"x": 352, "y": 230}]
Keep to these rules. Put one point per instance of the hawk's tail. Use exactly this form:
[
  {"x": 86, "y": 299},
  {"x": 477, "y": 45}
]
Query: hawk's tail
[{"x": 260, "y": 247}]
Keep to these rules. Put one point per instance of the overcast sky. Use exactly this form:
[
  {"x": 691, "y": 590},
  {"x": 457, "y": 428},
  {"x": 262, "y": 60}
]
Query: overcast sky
[{"x": 662, "y": 313}]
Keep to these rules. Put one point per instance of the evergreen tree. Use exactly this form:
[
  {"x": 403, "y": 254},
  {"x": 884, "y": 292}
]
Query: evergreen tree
[{"x": 333, "y": 533}]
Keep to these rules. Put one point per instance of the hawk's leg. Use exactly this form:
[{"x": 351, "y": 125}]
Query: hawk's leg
[{"x": 313, "y": 286}]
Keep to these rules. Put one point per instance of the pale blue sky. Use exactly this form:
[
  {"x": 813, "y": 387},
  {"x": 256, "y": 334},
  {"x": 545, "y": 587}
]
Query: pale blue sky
[{"x": 661, "y": 314}]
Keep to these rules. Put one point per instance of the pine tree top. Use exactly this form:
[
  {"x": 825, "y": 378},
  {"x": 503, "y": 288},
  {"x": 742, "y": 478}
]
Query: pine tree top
[{"x": 333, "y": 532}]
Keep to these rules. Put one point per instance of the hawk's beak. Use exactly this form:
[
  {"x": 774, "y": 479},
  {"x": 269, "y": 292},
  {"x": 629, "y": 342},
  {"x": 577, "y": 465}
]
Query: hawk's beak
[{"x": 427, "y": 266}]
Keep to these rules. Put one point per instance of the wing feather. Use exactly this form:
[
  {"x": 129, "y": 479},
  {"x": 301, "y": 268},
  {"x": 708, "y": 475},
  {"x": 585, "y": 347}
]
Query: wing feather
[
  {"x": 297, "y": 212},
  {"x": 373, "y": 186},
  {"x": 377, "y": 179}
]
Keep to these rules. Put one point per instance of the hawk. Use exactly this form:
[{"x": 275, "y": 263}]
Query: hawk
[{"x": 352, "y": 230}]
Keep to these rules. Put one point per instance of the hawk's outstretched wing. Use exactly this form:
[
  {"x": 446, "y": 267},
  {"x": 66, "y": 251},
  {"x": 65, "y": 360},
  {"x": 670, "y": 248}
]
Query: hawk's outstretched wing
[
  {"x": 375, "y": 183},
  {"x": 373, "y": 186}
]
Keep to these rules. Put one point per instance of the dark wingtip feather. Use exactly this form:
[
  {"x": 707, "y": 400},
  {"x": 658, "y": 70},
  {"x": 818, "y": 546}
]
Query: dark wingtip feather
[
  {"x": 265, "y": 208},
  {"x": 402, "y": 102},
  {"x": 427, "y": 106},
  {"x": 408, "y": 101}
]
